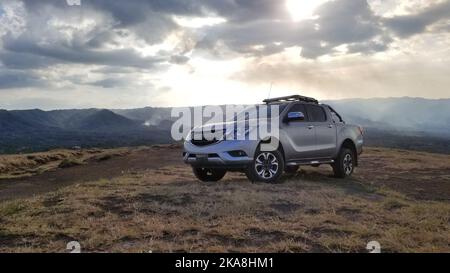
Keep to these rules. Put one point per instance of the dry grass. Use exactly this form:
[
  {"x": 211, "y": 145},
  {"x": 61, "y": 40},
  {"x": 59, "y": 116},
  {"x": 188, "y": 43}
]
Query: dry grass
[
  {"x": 24, "y": 165},
  {"x": 166, "y": 210}
]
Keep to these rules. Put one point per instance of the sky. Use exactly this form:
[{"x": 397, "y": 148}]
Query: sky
[{"x": 137, "y": 53}]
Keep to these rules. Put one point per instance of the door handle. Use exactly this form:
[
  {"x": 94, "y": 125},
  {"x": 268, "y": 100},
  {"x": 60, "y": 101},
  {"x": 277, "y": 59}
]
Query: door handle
[
  {"x": 310, "y": 127},
  {"x": 330, "y": 125}
]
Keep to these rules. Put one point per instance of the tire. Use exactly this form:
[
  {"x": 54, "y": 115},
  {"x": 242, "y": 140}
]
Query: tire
[
  {"x": 345, "y": 163},
  {"x": 209, "y": 174},
  {"x": 266, "y": 167},
  {"x": 291, "y": 169}
]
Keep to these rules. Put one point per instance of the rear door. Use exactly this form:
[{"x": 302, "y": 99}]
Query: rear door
[
  {"x": 325, "y": 131},
  {"x": 300, "y": 136}
]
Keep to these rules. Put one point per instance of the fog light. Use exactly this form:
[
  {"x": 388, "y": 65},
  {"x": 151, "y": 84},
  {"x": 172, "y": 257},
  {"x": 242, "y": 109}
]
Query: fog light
[{"x": 237, "y": 153}]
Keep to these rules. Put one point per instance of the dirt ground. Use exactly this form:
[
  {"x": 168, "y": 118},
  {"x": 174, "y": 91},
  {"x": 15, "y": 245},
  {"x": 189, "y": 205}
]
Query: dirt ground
[
  {"x": 145, "y": 199},
  {"x": 119, "y": 162}
]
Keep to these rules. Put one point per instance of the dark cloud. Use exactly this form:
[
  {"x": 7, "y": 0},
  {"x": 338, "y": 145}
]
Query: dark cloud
[
  {"x": 73, "y": 52},
  {"x": 52, "y": 34},
  {"x": 339, "y": 22},
  {"x": 109, "y": 83},
  {"x": 16, "y": 60},
  {"x": 19, "y": 79},
  {"x": 179, "y": 59},
  {"x": 113, "y": 70},
  {"x": 372, "y": 46},
  {"x": 43, "y": 43},
  {"x": 253, "y": 27},
  {"x": 407, "y": 25}
]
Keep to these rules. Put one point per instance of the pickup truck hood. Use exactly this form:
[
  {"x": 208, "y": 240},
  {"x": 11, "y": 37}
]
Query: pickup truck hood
[{"x": 230, "y": 125}]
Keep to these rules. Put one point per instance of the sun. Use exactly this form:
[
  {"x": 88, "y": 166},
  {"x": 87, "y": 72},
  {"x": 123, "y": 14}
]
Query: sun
[{"x": 303, "y": 9}]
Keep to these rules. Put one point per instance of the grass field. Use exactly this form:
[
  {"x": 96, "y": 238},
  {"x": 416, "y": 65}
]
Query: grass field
[{"x": 158, "y": 206}]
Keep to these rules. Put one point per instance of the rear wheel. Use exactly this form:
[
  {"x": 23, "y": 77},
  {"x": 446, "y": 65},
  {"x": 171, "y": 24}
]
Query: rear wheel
[
  {"x": 266, "y": 167},
  {"x": 344, "y": 164},
  {"x": 209, "y": 174}
]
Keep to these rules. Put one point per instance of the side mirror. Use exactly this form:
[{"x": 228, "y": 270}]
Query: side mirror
[{"x": 295, "y": 116}]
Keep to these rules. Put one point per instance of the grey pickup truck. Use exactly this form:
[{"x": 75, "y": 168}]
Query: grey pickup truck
[{"x": 309, "y": 133}]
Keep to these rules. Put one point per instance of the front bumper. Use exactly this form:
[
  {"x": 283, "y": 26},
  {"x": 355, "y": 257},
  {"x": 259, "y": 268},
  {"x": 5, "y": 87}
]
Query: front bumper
[{"x": 218, "y": 154}]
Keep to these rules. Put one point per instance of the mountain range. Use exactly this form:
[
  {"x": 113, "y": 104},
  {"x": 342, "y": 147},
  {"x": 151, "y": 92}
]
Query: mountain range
[
  {"x": 387, "y": 120},
  {"x": 37, "y": 130},
  {"x": 400, "y": 114}
]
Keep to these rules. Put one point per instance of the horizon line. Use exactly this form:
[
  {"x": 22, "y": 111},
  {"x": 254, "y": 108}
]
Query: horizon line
[{"x": 150, "y": 106}]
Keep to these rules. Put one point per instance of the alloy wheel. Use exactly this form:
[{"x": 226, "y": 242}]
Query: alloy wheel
[
  {"x": 266, "y": 165},
  {"x": 348, "y": 164}
]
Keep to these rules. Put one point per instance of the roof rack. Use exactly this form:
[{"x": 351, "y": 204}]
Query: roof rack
[{"x": 291, "y": 98}]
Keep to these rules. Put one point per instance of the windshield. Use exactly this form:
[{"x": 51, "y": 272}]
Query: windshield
[{"x": 254, "y": 110}]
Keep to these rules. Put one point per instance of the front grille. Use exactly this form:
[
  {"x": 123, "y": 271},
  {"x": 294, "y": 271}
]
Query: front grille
[
  {"x": 203, "y": 142},
  {"x": 199, "y": 139},
  {"x": 209, "y": 156}
]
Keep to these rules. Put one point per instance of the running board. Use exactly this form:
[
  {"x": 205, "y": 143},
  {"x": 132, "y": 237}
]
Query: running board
[{"x": 311, "y": 162}]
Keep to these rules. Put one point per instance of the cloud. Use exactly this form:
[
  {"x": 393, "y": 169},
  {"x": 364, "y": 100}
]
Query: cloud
[
  {"x": 339, "y": 22},
  {"x": 73, "y": 52},
  {"x": 109, "y": 83},
  {"x": 407, "y": 25},
  {"x": 61, "y": 37},
  {"x": 20, "y": 79},
  {"x": 127, "y": 45},
  {"x": 179, "y": 59},
  {"x": 41, "y": 41},
  {"x": 252, "y": 28},
  {"x": 342, "y": 22},
  {"x": 24, "y": 61}
]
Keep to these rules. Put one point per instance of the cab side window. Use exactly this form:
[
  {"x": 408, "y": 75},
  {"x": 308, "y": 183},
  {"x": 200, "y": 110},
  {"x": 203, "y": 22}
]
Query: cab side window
[
  {"x": 335, "y": 117},
  {"x": 316, "y": 113}
]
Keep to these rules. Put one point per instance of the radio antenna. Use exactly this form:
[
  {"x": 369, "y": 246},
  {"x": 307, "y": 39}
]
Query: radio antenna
[{"x": 270, "y": 90}]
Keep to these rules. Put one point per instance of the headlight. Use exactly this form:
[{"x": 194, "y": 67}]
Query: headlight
[
  {"x": 189, "y": 136},
  {"x": 237, "y": 134}
]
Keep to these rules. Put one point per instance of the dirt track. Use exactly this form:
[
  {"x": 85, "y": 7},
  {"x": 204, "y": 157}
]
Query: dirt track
[{"x": 137, "y": 160}]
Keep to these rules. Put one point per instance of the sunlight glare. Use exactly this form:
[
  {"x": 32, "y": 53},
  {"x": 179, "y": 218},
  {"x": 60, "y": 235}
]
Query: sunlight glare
[{"x": 303, "y": 9}]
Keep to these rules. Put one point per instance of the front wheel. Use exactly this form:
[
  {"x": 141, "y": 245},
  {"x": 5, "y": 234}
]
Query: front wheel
[
  {"x": 266, "y": 167},
  {"x": 209, "y": 174},
  {"x": 344, "y": 164}
]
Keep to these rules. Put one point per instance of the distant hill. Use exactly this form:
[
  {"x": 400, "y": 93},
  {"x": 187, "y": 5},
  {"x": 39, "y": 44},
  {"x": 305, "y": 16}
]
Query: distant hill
[
  {"x": 413, "y": 123},
  {"x": 36, "y": 118},
  {"x": 150, "y": 115},
  {"x": 106, "y": 120},
  {"x": 89, "y": 119},
  {"x": 403, "y": 114},
  {"x": 37, "y": 130},
  {"x": 10, "y": 123}
]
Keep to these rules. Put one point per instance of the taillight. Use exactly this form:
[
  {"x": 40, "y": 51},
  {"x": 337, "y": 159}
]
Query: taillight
[{"x": 361, "y": 130}]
